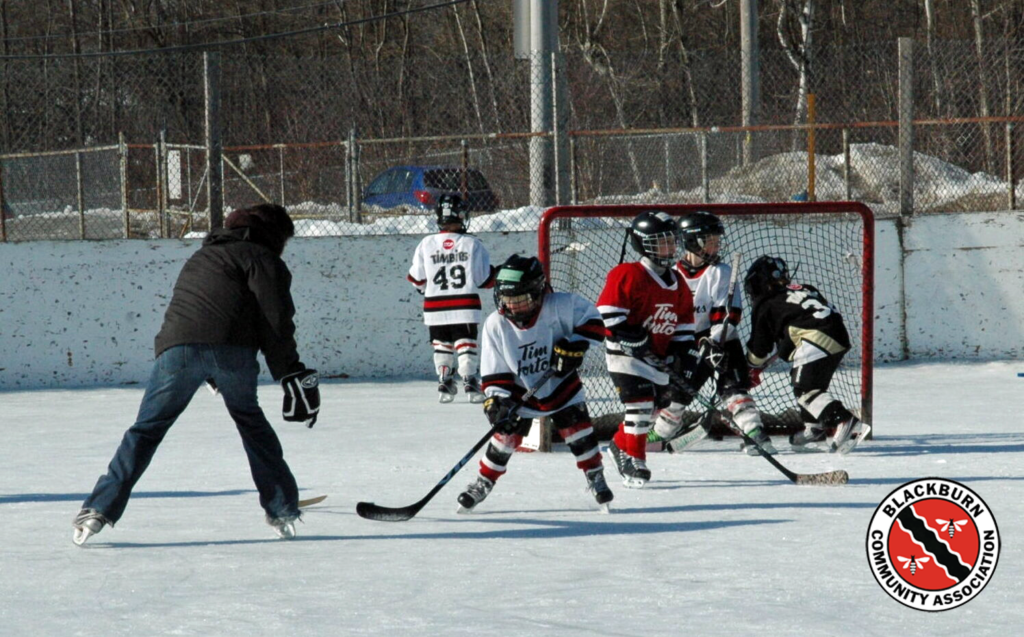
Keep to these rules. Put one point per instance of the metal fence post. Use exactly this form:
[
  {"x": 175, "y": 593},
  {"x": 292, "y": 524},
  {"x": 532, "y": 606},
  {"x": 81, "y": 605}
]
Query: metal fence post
[
  {"x": 280, "y": 163},
  {"x": 812, "y": 175},
  {"x": 573, "y": 182},
  {"x": 122, "y": 150},
  {"x": 464, "y": 178},
  {"x": 1010, "y": 181},
  {"x": 705, "y": 181},
  {"x": 3, "y": 207},
  {"x": 906, "y": 118},
  {"x": 80, "y": 195},
  {"x": 161, "y": 183},
  {"x": 846, "y": 164},
  {"x": 214, "y": 148}
]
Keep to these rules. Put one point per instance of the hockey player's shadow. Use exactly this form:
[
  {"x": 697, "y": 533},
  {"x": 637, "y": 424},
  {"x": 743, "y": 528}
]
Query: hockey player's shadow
[
  {"x": 542, "y": 529},
  {"x": 18, "y": 498},
  {"x": 930, "y": 444}
]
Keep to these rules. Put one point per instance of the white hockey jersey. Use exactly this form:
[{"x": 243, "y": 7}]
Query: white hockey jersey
[
  {"x": 450, "y": 269},
  {"x": 513, "y": 359},
  {"x": 709, "y": 286}
]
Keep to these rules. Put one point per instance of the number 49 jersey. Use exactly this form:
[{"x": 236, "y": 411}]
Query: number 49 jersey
[
  {"x": 791, "y": 317},
  {"x": 450, "y": 269}
]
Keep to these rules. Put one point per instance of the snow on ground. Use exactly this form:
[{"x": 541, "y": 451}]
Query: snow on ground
[{"x": 719, "y": 543}]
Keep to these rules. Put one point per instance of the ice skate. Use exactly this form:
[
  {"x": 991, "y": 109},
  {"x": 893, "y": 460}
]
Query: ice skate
[
  {"x": 598, "y": 487},
  {"x": 472, "y": 389},
  {"x": 854, "y": 431},
  {"x": 474, "y": 494},
  {"x": 87, "y": 523},
  {"x": 809, "y": 440},
  {"x": 284, "y": 526},
  {"x": 761, "y": 438},
  {"x": 446, "y": 391},
  {"x": 625, "y": 464}
]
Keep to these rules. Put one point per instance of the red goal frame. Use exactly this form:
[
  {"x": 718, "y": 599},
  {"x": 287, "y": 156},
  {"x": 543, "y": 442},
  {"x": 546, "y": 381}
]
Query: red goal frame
[{"x": 553, "y": 215}]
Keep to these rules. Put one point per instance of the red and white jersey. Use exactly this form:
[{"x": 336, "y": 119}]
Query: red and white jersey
[
  {"x": 513, "y": 359},
  {"x": 634, "y": 294},
  {"x": 450, "y": 269},
  {"x": 709, "y": 286}
]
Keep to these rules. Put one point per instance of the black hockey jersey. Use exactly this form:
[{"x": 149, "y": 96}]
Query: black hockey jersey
[{"x": 791, "y": 317}]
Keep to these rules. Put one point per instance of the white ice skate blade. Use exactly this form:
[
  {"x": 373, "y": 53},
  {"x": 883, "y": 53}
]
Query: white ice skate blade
[
  {"x": 852, "y": 441},
  {"x": 633, "y": 483},
  {"x": 604, "y": 508},
  {"x": 445, "y": 398},
  {"x": 476, "y": 398},
  {"x": 463, "y": 510},
  {"x": 81, "y": 536}
]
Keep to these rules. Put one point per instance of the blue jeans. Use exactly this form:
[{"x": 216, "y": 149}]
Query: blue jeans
[{"x": 177, "y": 373}]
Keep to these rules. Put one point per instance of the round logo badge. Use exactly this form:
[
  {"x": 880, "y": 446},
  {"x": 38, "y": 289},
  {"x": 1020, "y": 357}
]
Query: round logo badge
[
  {"x": 933, "y": 544},
  {"x": 448, "y": 244}
]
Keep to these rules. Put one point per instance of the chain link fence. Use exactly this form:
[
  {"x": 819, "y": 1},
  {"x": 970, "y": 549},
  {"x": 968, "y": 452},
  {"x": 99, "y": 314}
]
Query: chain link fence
[{"x": 113, "y": 147}]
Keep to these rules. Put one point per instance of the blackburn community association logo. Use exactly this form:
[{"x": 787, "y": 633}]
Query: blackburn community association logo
[{"x": 933, "y": 544}]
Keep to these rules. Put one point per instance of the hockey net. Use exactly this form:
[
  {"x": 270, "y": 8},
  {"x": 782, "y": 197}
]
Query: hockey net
[{"x": 828, "y": 245}]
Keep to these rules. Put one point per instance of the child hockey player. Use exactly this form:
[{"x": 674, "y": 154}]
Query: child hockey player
[
  {"x": 718, "y": 344},
  {"x": 807, "y": 331},
  {"x": 450, "y": 268},
  {"x": 648, "y": 312},
  {"x": 533, "y": 329}
]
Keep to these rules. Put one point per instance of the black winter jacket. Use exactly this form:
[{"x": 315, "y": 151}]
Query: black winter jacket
[{"x": 234, "y": 291}]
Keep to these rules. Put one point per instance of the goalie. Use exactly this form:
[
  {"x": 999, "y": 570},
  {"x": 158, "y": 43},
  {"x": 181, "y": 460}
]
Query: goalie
[
  {"x": 532, "y": 330},
  {"x": 809, "y": 332}
]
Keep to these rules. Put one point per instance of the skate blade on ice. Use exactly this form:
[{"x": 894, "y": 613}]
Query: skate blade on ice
[
  {"x": 854, "y": 439},
  {"x": 633, "y": 483}
]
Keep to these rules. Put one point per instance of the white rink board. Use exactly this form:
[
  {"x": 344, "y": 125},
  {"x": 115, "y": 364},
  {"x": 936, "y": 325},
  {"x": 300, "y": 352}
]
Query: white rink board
[{"x": 85, "y": 313}]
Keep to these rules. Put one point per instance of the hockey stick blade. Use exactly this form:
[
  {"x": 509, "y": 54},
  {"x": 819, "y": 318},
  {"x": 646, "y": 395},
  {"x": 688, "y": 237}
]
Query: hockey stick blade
[
  {"x": 829, "y": 478},
  {"x": 311, "y": 501},
  {"x": 372, "y": 511}
]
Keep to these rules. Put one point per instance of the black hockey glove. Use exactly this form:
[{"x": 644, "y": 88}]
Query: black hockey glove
[
  {"x": 568, "y": 356},
  {"x": 634, "y": 341},
  {"x": 498, "y": 410},
  {"x": 301, "y": 397},
  {"x": 713, "y": 353}
]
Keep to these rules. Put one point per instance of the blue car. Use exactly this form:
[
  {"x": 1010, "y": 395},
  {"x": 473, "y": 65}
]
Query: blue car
[{"x": 418, "y": 187}]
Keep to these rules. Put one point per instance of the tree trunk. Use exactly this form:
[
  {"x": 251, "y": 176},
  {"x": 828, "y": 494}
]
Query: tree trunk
[
  {"x": 469, "y": 69},
  {"x": 487, "y": 65},
  {"x": 979, "y": 50}
]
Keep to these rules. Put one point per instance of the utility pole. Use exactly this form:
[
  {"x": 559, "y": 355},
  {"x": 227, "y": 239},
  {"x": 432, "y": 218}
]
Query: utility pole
[{"x": 749, "y": 58}]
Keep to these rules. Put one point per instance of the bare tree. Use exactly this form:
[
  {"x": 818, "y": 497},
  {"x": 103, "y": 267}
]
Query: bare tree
[
  {"x": 794, "y": 29},
  {"x": 979, "y": 49}
]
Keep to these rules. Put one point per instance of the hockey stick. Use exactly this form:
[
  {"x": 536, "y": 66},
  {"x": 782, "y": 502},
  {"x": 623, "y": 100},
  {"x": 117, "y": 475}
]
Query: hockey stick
[
  {"x": 828, "y": 477},
  {"x": 372, "y": 511},
  {"x": 311, "y": 501}
]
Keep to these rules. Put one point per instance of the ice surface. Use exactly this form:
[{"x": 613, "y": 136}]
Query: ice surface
[{"x": 719, "y": 543}]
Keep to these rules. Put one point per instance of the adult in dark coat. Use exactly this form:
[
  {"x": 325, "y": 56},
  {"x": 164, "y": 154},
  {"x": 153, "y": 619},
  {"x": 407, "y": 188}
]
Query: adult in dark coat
[{"x": 231, "y": 300}]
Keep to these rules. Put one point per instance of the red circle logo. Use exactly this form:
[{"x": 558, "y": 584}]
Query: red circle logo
[
  {"x": 448, "y": 244},
  {"x": 933, "y": 544}
]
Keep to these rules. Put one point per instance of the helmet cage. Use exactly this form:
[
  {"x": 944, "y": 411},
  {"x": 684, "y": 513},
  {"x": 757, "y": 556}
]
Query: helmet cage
[
  {"x": 696, "y": 230},
  {"x": 519, "y": 289},
  {"x": 655, "y": 235}
]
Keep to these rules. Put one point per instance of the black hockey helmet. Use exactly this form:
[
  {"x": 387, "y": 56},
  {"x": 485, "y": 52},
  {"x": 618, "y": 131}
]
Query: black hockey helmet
[
  {"x": 451, "y": 209},
  {"x": 649, "y": 234},
  {"x": 765, "y": 275},
  {"x": 695, "y": 229},
  {"x": 519, "y": 288}
]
